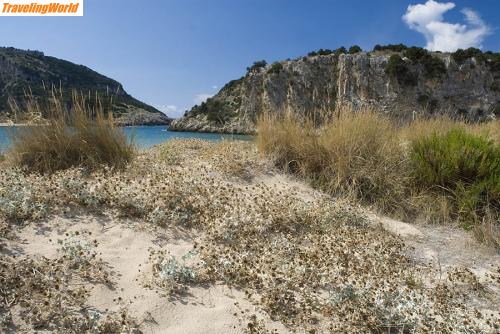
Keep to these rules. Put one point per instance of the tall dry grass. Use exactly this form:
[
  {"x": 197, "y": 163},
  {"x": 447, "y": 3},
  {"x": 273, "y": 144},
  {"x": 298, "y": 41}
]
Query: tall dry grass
[
  {"x": 357, "y": 155},
  {"x": 75, "y": 135},
  {"x": 367, "y": 157}
]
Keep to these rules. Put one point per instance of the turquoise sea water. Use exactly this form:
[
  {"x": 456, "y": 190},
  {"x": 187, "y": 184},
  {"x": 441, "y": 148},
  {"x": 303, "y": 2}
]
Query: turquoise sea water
[{"x": 145, "y": 136}]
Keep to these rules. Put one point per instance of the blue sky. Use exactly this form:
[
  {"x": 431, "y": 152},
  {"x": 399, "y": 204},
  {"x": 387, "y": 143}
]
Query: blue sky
[{"x": 172, "y": 53}]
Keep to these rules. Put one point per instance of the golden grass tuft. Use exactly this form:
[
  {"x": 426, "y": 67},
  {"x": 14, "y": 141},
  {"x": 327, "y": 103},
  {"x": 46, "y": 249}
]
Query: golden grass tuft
[
  {"x": 367, "y": 157},
  {"x": 357, "y": 155},
  {"x": 76, "y": 136}
]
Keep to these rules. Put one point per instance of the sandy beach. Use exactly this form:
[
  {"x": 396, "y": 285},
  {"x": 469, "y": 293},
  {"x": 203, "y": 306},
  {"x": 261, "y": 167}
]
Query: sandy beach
[{"x": 170, "y": 271}]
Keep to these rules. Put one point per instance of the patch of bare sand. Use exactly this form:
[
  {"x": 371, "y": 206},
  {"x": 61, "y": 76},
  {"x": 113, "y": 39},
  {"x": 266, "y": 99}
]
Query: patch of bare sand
[
  {"x": 447, "y": 248},
  {"x": 442, "y": 246},
  {"x": 124, "y": 247}
]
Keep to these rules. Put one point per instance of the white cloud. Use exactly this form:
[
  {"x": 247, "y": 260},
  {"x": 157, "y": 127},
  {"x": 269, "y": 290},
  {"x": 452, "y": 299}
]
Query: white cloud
[
  {"x": 170, "y": 110},
  {"x": 198, "y": 99},
  {"x": 215, "y": 87},
  {"x": 444, "y": 36}
]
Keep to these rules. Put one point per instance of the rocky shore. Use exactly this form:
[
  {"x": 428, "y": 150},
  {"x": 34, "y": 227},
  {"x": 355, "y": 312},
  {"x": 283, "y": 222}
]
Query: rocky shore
[{"x": 320, "y": 84}]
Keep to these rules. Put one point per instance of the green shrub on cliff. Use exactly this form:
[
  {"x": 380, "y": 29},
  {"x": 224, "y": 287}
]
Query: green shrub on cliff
[
  {"x": 355, "y": 49},
  {"x": 341, "y": 50},
  {"x": 434, "y": 67},
  {"x": 399, "y": 69},
  {"x": 390, "y": 47},
  {"x": 493, "y": 60},
  {"x": 326, "y": 52},
  {"x": 321, "y": 52},
  {"x": 462, "y": 55},
  {"x": 275, "y": 68},
  {"x": 216, "y": 110},
  {"x": 257, "y": 66}
]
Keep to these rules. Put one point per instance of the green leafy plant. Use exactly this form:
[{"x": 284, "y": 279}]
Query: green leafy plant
[{"x": 463, "y": 165}]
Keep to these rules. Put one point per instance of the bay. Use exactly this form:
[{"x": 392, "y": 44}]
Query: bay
[{"x": 145, "y": 136}]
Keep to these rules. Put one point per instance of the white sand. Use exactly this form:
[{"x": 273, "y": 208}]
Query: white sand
[{"x": 123, "y": 245}]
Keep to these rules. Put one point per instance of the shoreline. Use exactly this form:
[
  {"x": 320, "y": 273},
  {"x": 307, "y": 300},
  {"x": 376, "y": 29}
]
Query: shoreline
[{"x": 6, "y": 124}]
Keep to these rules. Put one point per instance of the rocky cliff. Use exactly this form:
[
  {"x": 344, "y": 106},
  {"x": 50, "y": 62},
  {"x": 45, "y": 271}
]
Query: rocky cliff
[
  {"x": 402, "y": 84},
  {"x": 31, "y": 71}
]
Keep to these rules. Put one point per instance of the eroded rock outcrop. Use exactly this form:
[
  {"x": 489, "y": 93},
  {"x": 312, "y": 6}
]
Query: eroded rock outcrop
[{"x": 325, "y": 83}]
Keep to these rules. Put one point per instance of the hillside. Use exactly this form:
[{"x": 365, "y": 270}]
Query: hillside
[
  {"x": 403, "y": 82},
  {"x": 22, "y": 71}
]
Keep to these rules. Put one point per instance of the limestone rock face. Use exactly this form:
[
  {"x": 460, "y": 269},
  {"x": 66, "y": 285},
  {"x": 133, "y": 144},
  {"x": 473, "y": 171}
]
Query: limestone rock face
[{"x": 324, "y": 84}]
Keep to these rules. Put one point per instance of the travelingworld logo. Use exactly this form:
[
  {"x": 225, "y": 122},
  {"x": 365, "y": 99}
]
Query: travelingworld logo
[{"x": 41, "y": 8}]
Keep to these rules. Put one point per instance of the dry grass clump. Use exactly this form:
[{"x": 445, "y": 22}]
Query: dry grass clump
[
  {"x": 39, "y": 293},
  {"x": 234, "y": 159},
  {"x": 490, "y": 130},
  {"x": 357, "y": 155},
  {"x": 79, "y": 136},
  {"x": 364, "y": 156}
]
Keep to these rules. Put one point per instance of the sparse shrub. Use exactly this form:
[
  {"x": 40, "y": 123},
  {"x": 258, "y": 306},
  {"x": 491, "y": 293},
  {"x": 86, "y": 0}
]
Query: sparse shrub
[
  {"x": 390, "y": 47},
  {"x": 465, "y": 166},
  {"x": 275, "y": 68},
  {"x": 171, "y": 268},
  {"x": 232, "y": 84},
  {"x": 496, "y": 110},
  {"x": 460, "y": 56},
  {"x": 326, "y": 52},
  {"x": 399, "y": 69},
  {"x": 43, "y": 292},
  {"x": 340, "y": 50},
  {"x": 434, "y": 67},
  {"x": 157, "y": 217},
  {"x": 77, "y": 249},
  {"x": 170, "y": 153},
  {"x": 321, "y": 52},
  {"x": 172, "y": 275},
  {"x": 493, "y": 61},
  {"x": 427, "y": 102},
  {"x": 355, "y": 49},
  {"x": 217, "y": 111},
  {"x": 299, "y": 256},
  {"x": 18, "y": 197},
  {"x": 257, "y": 66},
  {"x": 76, "y": 137}
]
